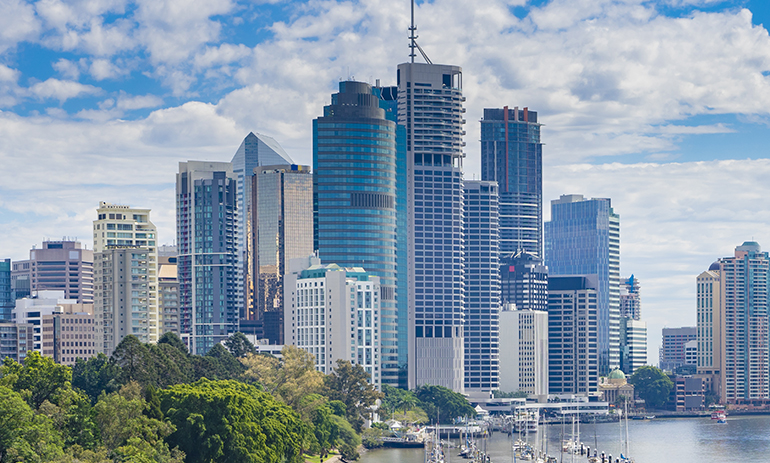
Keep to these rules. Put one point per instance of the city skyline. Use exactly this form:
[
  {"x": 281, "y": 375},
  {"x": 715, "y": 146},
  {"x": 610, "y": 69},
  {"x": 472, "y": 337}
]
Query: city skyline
[{"x": 663, "y": 134}]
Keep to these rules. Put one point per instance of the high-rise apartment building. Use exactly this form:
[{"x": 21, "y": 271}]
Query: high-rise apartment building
[
  {"x": 633, "y": 345},
  {"x": 354, "y": 192},
  {"x": 430, "y": 107},
  {"x": 333, "y": 313},
  {"x": 583, "y": 238},
  {"x": 745, "y": 281},
  {"x": 282, "y": 224},
  {"x": 15, "y": 340},
  {"x": 126, "y": 275},
  {"x": 208, "y": 264},
  {"x": 524, "y": 281},
  {"x": 482, "y": 287},
  {"x": 256, "y": 150},
  {"x": 524, "y": 348},
  {"x": 573, "y": 361},
  {"x": 512, "y": 155},
  {"x": 630, "y": 299},
  {"x": 168, "y": 294},
  {"x": 709, "y": 328},
  {"x": 58, "y": 266},
  {"x": 6, "y": 291},
  {"x": 671, "y": 355}
]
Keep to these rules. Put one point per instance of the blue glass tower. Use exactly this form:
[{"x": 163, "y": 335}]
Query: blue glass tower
[
  {"x": 583, "y": 238},
  {"x": 7, "y": 301},
  {"x": 354, "y": 198}
]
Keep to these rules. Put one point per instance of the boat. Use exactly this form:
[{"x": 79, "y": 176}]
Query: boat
[{"x": 649, "y": 417}]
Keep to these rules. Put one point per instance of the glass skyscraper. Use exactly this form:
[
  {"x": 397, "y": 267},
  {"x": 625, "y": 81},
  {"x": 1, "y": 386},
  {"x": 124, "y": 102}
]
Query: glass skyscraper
[
  {"x": 7, "y": 301},
  {"x": 512, "y": 155},
  {"x": 208, "y": 262},
  {"x": 354, "y": 194},
  {"x": 255, "y": 150},
  {"x": 583, "y": 238}
]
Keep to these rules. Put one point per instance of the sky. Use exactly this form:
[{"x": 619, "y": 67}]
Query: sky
[{"x": 662, "y": 106}]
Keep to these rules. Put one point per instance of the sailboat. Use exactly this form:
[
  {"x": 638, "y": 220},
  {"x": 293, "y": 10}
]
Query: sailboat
[{"x": 625, "y": 458}]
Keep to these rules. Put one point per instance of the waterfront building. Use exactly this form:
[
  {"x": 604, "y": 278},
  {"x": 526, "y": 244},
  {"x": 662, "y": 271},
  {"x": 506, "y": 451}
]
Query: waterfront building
[
  {"x": 688, "y": 394},
  {"x": 524, "y": 281},
  {"x": 255, "y": 151},
  {"x": 672, "y": 353},
  {"x": 59, "y": 265},
  {"x": 615, "y": 389},
  {"x": 633, "y": 344},
  {"x": 168, "y": 294},
  {"x": 573, "y": 360},
  {"x": 709, "y": 329},
  {"x": 524, "y": 348},
  {"x": 745, "y": 281},
  {"x": 583, "y": 238},
  {"x": 430, "y": 107},
  {"x": 512, "y": 155},
  {"x": 354, "y": 191},
  {"x": 208, "y": 264},
  {"x": 32, "y": 309},
  {"x": 630, "y": 299},
  {"x": 6, "y": 291},
  {"x": 15, "y": 340},
  {"x": 333, "y": 313},
  {"x": 282, "y": 229},
  {"x": 126, "y": 274},
  {"x": 71, "y": 333}
]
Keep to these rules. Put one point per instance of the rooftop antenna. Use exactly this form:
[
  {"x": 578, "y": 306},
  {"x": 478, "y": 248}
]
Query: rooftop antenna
[{"x": 413, "y": 41}]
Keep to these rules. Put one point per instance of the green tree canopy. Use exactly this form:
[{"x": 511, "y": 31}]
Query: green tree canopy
[
  {"x": 289, "y": 379},
  {"x": 350, "y": 384},
  {"x": 442, "y": 401},
  {"x": 652, "y": 385},
  {"x": 96, "y": 375},
  {"x": 231, "y": 421},
  {"x": 134, "y": 361},
  {"x": 175, "y": 341},
  {"x": 37, "y": 380},
  {"x": 239, "y": 345},
  {"x": 24, "y": 435}
]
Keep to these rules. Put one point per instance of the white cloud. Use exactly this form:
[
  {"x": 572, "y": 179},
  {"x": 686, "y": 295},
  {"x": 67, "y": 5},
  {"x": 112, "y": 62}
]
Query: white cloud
[
  {"x": 130, "y": 102},
  {"x": 17, "y": 23},
  {"x": 62, "y": 90},
  {"x": 67, "y": 68},
  {"x": 102, "y": 69}
]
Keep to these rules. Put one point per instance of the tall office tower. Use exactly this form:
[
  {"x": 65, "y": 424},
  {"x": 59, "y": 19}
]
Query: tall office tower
[
  {"x": 354, "y": 196},
  {"x": 583, "y": 238},
  {"x": 633, "y": 345},
  {"x": 126, "y": 271},
  {"x": 710, "y": 323},
  {"x": 333, "y": 313},
  {"x": 524, "y": 363},
  {"x": 168, "y": 294},
  {"x": 745, "y": 284},
  {"x": 71, "y": 333},
  {"x": 524, "y": 281},
  {"x": 430, "y": 107},
  {"x": 573, "y": 361},
  {"x": 512, "y": 155},
  {"x": 671, "y": 354},
  {"x": 206, "y": 230},
  {"x": 59, "y": 265},
  {"x": 630, "y": 299},
  {"x": 282, "y": 224},
  {"x": 6, "y": 292},
  {"x": 17, "y": 340},
  {"x": 482, "y": 287},
  {"x": 255, "y": 150}
]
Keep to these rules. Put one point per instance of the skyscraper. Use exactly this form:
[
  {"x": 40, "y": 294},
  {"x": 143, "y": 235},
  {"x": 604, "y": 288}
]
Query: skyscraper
[
  {"x": 208, "y": 263},
  {"x": 633, "y": 331},
  {"x": 430, "y": 107},
  {"x": 47, "y": 267},
  {"x": 354, "y": 196},
  {"x": 672, "y": 354},
  {"x": 524, "y": 281},
  {"x": 6, "y": 294},
  {"x": 126, "y": 271},
  {"x": 512, "y": 155},
  {"x": 710, "y": 327},
  {"x": 630, "y": 299},
  {"x": 282, "y": 224},
  {"x": 583, "y": 238},
  {"x": 482, "y": 286},
  {"x": 524, "y": 347},
  {"x": 255, "y": 150}
]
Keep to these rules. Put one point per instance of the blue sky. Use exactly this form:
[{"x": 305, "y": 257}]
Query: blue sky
[{"x": 663, "y": 106}]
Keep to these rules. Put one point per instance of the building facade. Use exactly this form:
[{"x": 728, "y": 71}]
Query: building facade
[
  {"x": 6, "y": 291},
  {"x": 333, "y": 313},
  {"x": 482, "y": 284},
  {"x": 32, "y": 309},
  {"x": 630, "y": 299},
  {"x": 256, "y": 150},
  {"x": 15, "y": 340},
  {"x": 672, "y": 354},
  {"x": 58, "y": 266},
  {"x": 282, "y": 224},
  {"x": 709, "y": 328},
  {"x": 208, "y": 264},
  {"x": 168, "y": 294},
  {"x": 512, "y": 155},
  {"x": 583, "y": 238},
  {"x": 573, "y": 360},
  {"x": 633, "y": 345},
  {"x": 524, "y": 363},
  {"x": 524, "y": 281},
  {"x": 71, "y": 333},
  {"x": 354, "y": 191},
  {"x": 430, "y": 107}
]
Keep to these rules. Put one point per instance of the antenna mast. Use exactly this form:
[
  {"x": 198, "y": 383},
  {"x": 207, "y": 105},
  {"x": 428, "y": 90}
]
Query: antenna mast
[{"x": 413, "y": 41}]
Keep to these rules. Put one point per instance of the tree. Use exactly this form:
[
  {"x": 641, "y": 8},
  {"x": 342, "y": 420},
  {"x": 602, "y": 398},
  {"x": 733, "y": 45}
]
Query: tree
[
  {"x": 442, "y": 401},
  {"x": 134, "y": 361},
  {"x": 37, "y": 380},
  {"x": 72, "y": 417},
  {"x": 350, "y": 384},
  {"x": 173, "y": 340},
  {"x": 231, "y": 421},
  {"x": 96, "y": 375},
  {"x": 228, "y": 367},
  {"x": 168, "y": 365},
  {"x": 652, "y": 385},
  {"x": 289, "y": 379},
  {"x": 239, "y": 345},
  {"x": 24, "y": 435}
]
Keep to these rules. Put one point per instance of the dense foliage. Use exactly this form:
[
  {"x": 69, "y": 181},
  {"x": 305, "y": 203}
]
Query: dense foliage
[{"x": 652, "y": 385}]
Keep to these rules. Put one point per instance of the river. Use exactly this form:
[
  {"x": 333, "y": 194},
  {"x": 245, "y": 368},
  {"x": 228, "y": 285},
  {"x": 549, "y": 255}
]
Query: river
[{"x": 662, "y": 440}]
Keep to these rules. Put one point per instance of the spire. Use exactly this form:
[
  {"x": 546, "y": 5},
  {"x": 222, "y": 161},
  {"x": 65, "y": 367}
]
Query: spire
[{"x": 413, "y": 41}]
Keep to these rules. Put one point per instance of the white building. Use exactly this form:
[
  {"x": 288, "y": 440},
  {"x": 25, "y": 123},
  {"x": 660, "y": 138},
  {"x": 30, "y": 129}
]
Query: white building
[
  {"x": 333, "y": 313},
  {"x": 524, "y": 351},
  {"x": 32, "y": 310}
]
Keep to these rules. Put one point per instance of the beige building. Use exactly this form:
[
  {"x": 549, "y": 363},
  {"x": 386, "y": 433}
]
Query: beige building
[
  {"x": 615, "y": 386},
  {"x": 71, "y": 333},
  {"x": 710, "y": 320},
  {"x": 168, "y": 295},
  {"x": 524, "y": 351},
  {"x": 125, "y": 275}
]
